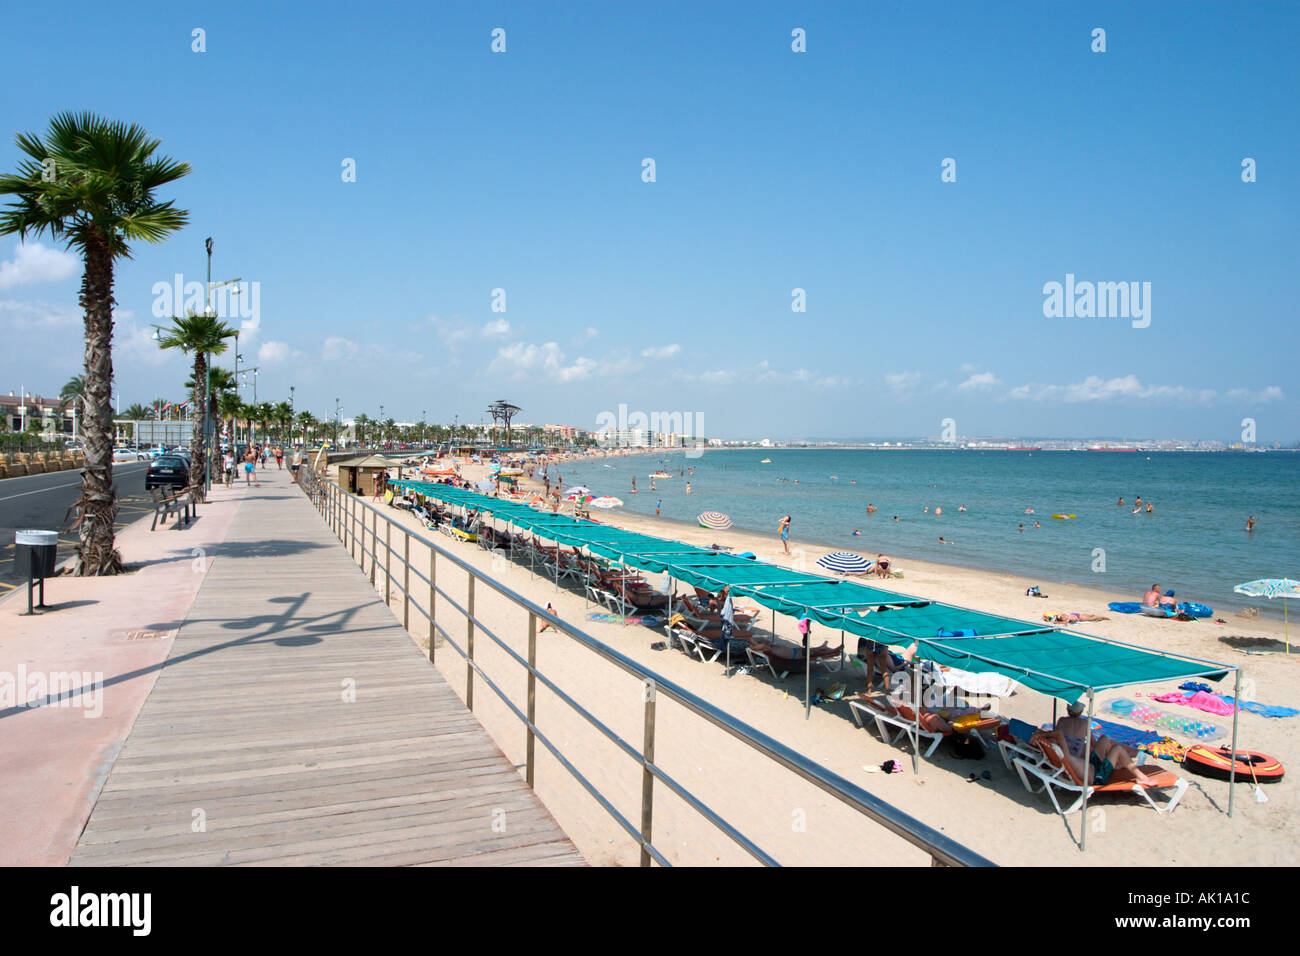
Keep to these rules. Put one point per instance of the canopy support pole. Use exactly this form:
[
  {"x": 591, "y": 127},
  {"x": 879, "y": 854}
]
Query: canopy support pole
[
  {"x": 1087, "y": 772},
  {"x": 916, "y": 717},
  {"x": 1236, "y": 711}
]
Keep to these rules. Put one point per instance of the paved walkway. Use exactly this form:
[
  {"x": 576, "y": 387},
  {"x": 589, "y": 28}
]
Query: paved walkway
[{"x": 295, "y": 722}]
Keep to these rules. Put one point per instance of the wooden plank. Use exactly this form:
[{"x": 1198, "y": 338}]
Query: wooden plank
[{"x": 248, "y": 722}]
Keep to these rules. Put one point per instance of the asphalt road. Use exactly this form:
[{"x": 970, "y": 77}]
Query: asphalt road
[{"x": 42, "y": 502}]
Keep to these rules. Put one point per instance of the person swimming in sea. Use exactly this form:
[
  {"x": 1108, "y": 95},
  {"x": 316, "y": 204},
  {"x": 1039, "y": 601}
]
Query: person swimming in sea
[
  {"x": 1250, "y": 523},
  {"x": 856, "y": 532},
  {"x": 961, "y": 508},
  {"x": 1120, "y": 503}
]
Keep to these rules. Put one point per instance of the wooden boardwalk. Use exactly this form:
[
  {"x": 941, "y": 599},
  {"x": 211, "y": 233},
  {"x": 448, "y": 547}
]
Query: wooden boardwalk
[{"x": 295, "y": 723}]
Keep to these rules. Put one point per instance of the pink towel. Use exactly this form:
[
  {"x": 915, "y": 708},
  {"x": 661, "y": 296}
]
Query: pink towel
[
  {"x": 1200, "y": 700},
  {"x": 1209, "y": 703}
]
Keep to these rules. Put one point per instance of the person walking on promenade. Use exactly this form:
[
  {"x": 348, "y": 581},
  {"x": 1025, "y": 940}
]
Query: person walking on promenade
[
  {"x": 250, "y": 475},
  {"x": 279, "y": 457}
]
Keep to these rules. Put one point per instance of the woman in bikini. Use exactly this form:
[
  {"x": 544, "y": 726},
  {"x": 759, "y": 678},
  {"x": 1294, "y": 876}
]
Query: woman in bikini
[{"x": 1073, "y": 617}]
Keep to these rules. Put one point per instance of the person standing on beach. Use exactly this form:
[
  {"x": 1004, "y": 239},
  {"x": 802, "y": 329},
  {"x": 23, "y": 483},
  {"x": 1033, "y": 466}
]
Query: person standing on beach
[
  {"x": 657, "y": 504},
  {"x": 784, "y": 529}
]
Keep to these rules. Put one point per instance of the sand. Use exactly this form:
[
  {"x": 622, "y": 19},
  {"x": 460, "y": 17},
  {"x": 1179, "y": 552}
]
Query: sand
[{"x": 784, "y": 815}]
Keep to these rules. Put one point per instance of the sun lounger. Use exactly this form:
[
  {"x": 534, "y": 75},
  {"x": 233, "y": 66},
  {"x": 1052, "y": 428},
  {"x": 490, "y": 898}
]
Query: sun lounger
[
  {"x": 707, "y": 647},
  {"x": 896, "y": 720},
  {"x": 760, "y": 655},
  {"x": 1054, "y": 773}
]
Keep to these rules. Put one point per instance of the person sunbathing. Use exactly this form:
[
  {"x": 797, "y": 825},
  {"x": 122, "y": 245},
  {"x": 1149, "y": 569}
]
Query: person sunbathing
[
  {"x": 1106, "y": 756},
  {"x": 881, "y": 568},
  {"x": 1073, "y": 617},
  {"x": 941, "y": 720},
  {"x": 875, "y": 655},
  {"x": 790, "y": 654}
]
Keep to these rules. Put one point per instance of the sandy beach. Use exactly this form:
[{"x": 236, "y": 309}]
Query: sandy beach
[{"x": 790, "y": 819}]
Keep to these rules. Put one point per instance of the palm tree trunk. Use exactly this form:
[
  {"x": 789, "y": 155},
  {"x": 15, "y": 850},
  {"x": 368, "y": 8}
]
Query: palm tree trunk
[
  {"x": 98, "y": 503},
  {"x": 198, "y": 458}
]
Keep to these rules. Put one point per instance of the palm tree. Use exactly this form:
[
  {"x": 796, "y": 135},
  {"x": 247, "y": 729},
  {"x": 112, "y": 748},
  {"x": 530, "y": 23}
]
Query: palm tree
[
  {"x": 306, "y": 422},
  {"x": 71, "y": 395},
  {"x": 282, "y": 413},
  {"x": 229, "y": 407},
  {"x": 360, "y": 426},
  {"x": 200, "y": 335},
  {"x": 91, "y": 183}
]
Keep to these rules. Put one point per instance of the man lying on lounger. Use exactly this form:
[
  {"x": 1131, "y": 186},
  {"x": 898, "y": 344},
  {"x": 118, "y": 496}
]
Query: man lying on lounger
[{"x": 1106, "y": 757}]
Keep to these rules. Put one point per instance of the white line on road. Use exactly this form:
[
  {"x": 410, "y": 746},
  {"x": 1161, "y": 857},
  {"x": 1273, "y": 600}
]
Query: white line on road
[{"x": 23, "y": 494}]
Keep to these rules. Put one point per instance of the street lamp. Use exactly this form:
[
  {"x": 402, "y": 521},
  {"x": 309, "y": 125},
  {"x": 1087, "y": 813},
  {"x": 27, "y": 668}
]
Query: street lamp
[
  {"x": 290, "y": 414},
  {"x": 337, "y": 407}
]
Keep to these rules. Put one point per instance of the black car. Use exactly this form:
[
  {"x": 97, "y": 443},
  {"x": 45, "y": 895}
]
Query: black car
[{"x": 171, "y": 471}]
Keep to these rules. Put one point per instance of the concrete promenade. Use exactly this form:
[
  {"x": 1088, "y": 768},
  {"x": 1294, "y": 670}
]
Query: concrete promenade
[{"x": 260, "y": 705}]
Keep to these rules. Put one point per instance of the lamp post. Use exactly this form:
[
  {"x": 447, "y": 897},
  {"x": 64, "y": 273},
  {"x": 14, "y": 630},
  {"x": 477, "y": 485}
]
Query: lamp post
[
  {"x": 290, "y": 414},
  {"x": 423, "y": 412},
  {"x": 251, "y": 430},
  {"x": 337, "y": 407}
]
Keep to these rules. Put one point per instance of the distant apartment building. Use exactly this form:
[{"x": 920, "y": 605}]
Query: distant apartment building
[{"x": 18, "y": 413}]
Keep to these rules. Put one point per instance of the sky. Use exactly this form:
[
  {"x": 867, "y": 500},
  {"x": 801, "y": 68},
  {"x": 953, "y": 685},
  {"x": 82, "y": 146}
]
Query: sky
[{"x": 921, "y": 172}]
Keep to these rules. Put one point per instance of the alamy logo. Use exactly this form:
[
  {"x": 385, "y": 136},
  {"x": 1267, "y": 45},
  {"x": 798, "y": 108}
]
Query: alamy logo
[
  {"x": 640, "y": 428},
  {"x": 240, "y": 300},
  {"x": 53, "y": 689},
  {"x": 75, "y": 908},
  {"x": 1100, "y": 300}
]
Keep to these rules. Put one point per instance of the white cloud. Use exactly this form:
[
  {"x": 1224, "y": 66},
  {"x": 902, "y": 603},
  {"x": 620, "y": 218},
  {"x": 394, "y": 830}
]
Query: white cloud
[
  {"x": 1270, "y": 394},
  {"x": 1094, "y": 388},
  {"x": 661, "y": 352},
  {"x": 496, "y": 328},
  {"x": 272, "y": 352},
  {"x": 36, "y": 263},
  {"x": 901, "y": 383},
  {"x": 585, "y": 336},
  {"x": 336, "y": 348},
  {"x": 38, "y": 316},
  {"x": 980, "y": 382},
  {"x": 452, "y": 333},
  {"x": 522, "y": 360}
]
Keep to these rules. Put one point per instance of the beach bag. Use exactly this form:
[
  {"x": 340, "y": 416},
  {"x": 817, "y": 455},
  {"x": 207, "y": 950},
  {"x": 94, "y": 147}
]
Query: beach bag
[{"x": 966, "y": 747}]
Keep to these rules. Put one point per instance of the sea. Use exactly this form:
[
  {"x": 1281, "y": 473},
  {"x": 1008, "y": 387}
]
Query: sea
[{"x": 1195, "y": 541}]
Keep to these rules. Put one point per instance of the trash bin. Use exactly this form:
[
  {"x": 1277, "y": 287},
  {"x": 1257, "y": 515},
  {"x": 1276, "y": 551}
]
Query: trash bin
[{"x": 35, "y": 553}]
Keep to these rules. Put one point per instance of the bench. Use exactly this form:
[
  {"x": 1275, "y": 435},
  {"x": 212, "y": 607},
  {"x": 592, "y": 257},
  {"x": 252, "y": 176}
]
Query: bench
[{"x": 166, "y": 505}]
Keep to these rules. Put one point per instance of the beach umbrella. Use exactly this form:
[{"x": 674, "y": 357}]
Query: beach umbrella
[
  {"x": 577, "y": 490},
  {"x": 715, "y": 520},
  {"x": 579, "y": 496},
  {"x": 484, "y": 485},
  {"x": 1274, "y": 588},
  {"x": 606, "y": 501},
  {"x": 844, "y": 562}
]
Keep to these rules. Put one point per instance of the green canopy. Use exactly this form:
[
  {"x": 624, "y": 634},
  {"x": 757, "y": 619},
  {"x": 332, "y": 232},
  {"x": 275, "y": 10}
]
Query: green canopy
[{"x": 1064, "y": 665}]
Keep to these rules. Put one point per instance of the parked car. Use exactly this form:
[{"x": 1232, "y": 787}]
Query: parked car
[
  {"x": 128, "y": 454},
  {"x": 171, "y": 471}
]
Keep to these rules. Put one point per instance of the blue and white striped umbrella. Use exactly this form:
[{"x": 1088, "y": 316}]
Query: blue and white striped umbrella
[
  {"x": 844, "y": 562},
  {"x": 1273, "y": 588}
]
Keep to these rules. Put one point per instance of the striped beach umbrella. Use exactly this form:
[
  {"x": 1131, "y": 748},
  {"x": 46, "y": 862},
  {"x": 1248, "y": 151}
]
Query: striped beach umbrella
[
  {"x": 606, "y": 501},
  {"x": 1274, "y": 588},
  {"x": 581, "y": 497},
  {"x": 844, "y": 562},
  {"x": 715, "y": 520}
]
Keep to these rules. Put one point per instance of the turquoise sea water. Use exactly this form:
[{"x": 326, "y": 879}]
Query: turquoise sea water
[{"x": 1195, "y": 542}]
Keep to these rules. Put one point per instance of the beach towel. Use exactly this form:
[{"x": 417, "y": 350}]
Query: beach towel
[
  {"x": 1125, "y": 607},
  {"x": 987, "y": 685},
  {"x": 1122, "y": 734},
  {"x": 1165, "y": 748},
  {"x": 1264, "y": 710},
  {"x": 1200, "y": 700}
]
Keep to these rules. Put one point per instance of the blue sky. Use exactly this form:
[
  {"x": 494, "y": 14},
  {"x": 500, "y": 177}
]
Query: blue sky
[{"x": 775, "y": 170}]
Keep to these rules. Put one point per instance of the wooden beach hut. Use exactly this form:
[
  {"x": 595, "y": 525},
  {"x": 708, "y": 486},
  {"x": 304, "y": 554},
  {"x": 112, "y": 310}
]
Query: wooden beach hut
[{"x": 358, "y": 475}]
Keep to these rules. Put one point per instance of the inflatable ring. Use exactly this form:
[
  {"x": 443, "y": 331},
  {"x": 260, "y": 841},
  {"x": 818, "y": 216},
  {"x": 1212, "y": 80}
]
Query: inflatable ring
[{"x": 1251, "y": 765}]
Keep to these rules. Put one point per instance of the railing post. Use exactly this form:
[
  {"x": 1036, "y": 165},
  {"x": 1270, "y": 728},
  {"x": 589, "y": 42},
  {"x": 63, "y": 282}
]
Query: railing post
[
  {"x": 406, "y": 580},
  {"x": 647, "y": 778},
  {"x": 374, "y": 545},
  {"x": 532, "y": 697},
  {"x": 388, "y": 558},
  {"x": 352, "y": 524},
  {"x": 469, "y": 646},
  {"x": 433, "y": 577}
]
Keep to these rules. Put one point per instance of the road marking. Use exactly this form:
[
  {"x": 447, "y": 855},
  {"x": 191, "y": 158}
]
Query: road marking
[{"x": 24, "y": 494}]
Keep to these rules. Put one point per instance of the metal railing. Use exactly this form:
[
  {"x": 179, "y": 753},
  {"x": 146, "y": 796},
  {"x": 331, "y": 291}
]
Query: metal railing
[{"x": 356, "y": 522}]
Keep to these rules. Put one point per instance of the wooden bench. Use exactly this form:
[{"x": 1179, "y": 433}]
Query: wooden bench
[{"x": 166, "y": 505}]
